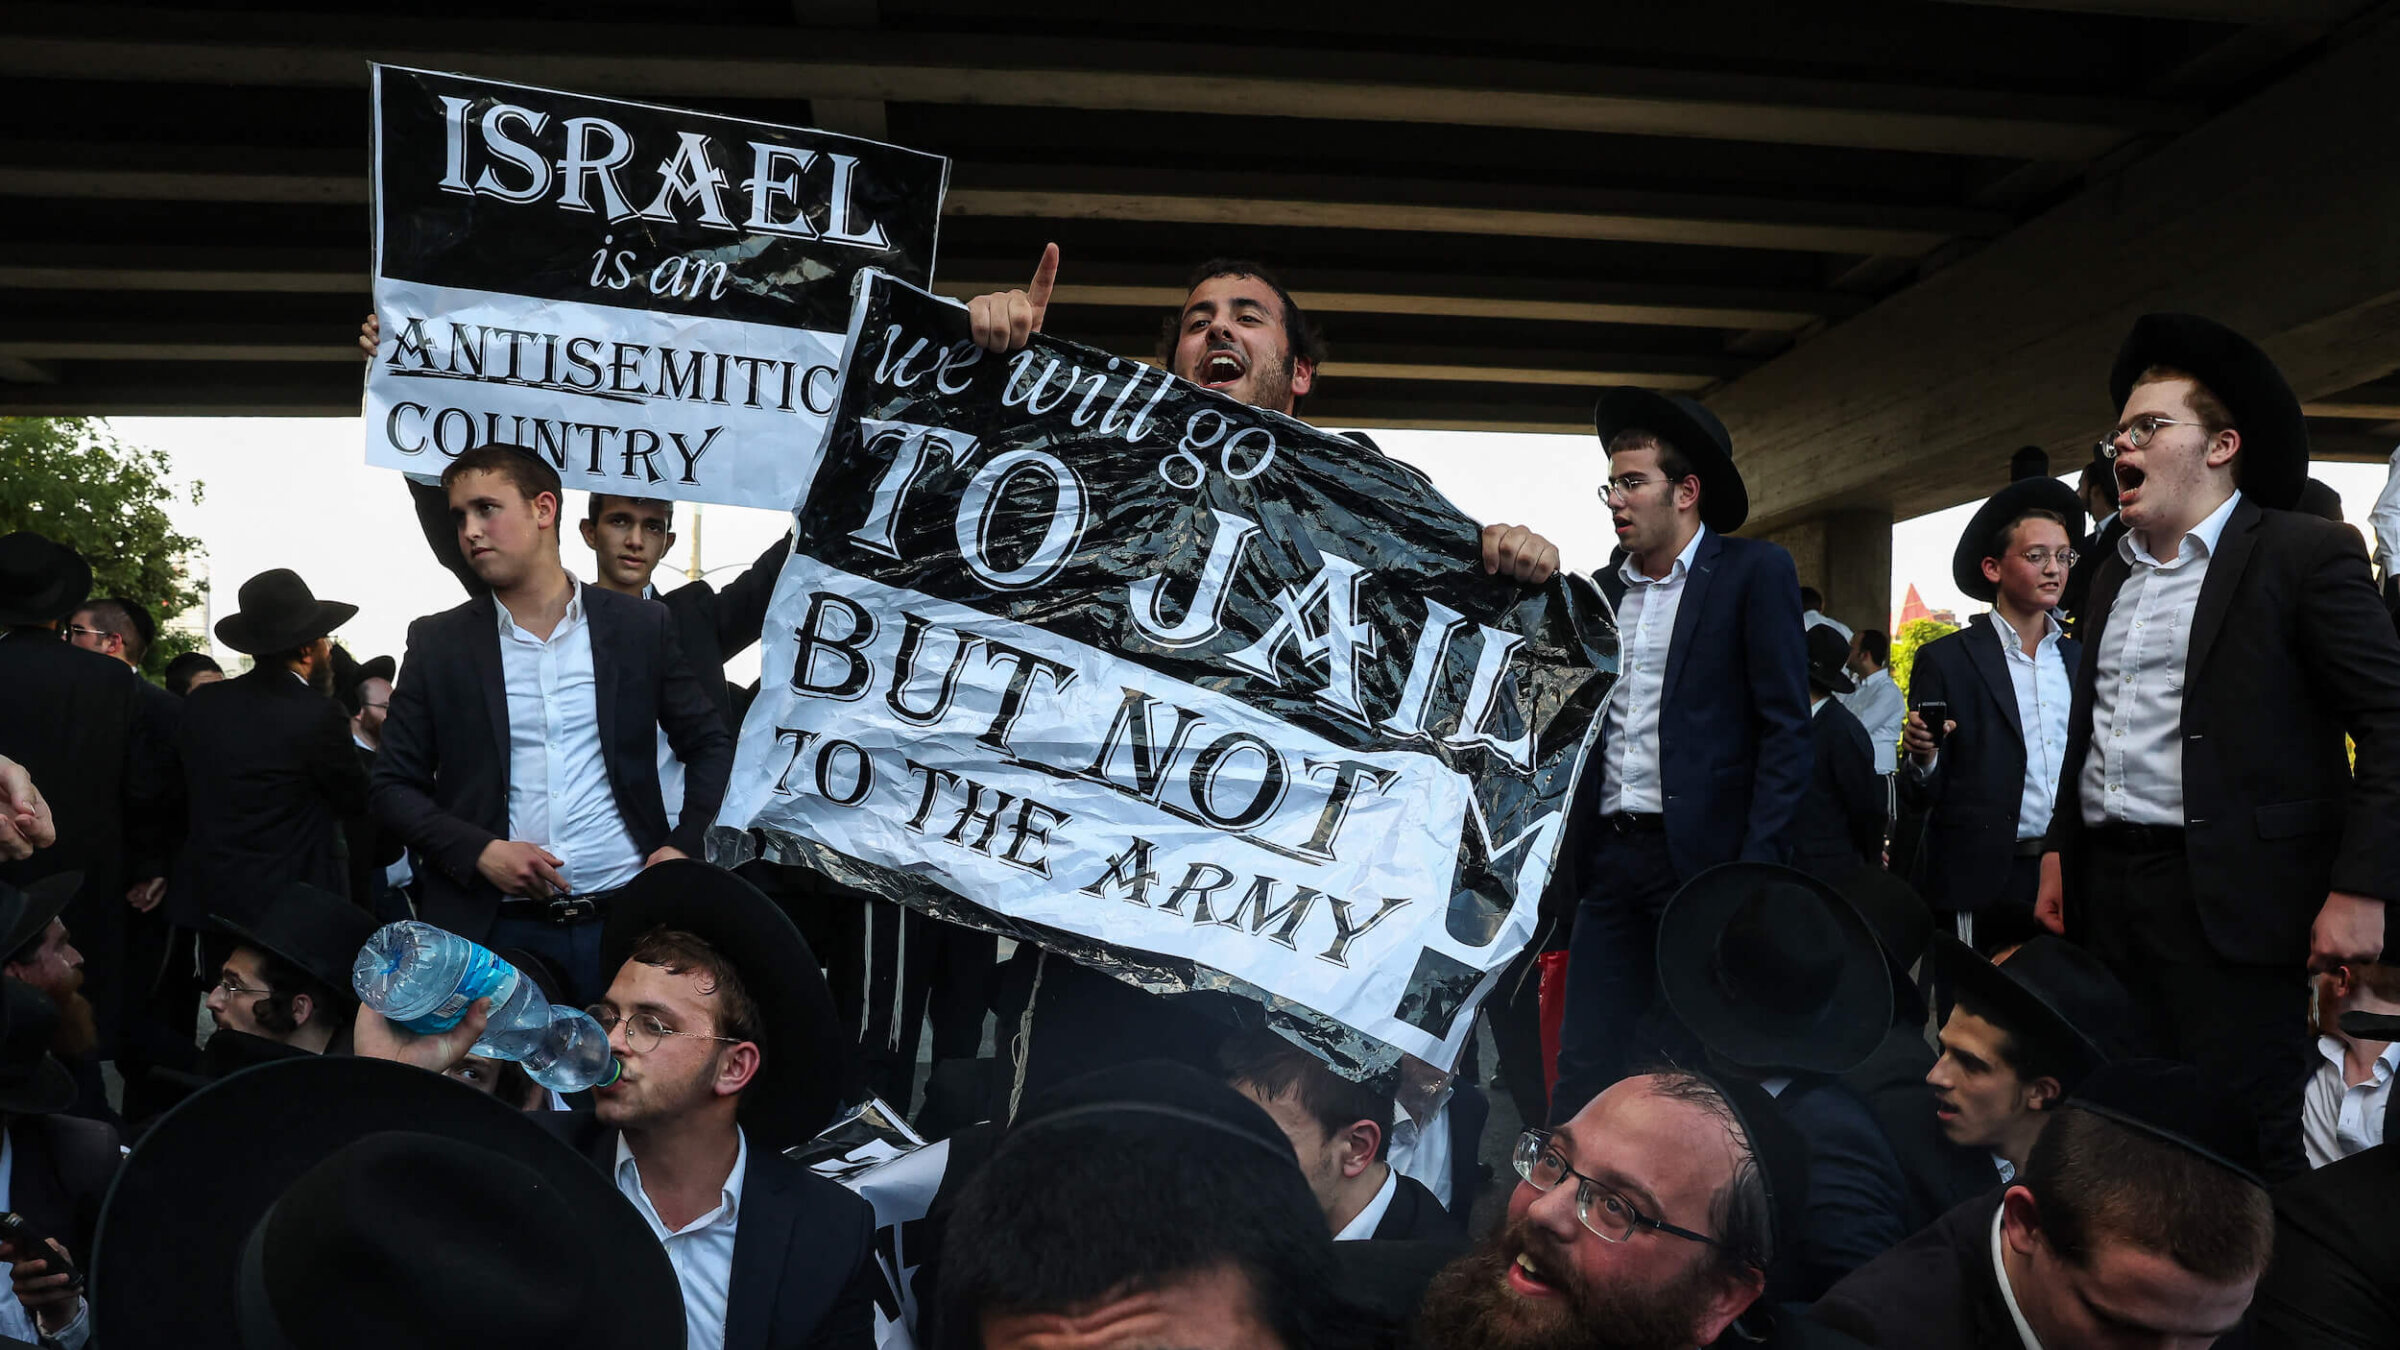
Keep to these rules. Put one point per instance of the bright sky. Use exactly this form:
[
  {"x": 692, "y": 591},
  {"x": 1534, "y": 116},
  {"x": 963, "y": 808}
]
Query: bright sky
[{"x": 297, "y": 493}]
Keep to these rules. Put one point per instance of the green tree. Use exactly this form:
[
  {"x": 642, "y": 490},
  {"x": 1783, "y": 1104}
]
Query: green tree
[
  {"x": 69, "y": 479},
  {"x": 1912, "y": 635}
]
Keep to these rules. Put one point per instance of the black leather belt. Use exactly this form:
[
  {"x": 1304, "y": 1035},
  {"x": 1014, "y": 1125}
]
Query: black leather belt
[
  {"x": 2140, "y": 838},
  {"x": 1635, "y": 822},
  {"x": 562, "y": 911},
  {"x": 2032, "y": 848}
]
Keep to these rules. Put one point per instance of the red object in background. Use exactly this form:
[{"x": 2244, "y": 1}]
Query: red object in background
[{"x": 1553, "y": 994}]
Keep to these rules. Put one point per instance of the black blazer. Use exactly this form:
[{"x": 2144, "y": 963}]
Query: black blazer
[
  {"x": 713, "y": 625},
  {"x": 1857, "y": 1201},
  {"x": 2334, "y": 1283},
  {"x": 2075, "y": 597},
  {"x": 1935, "y": 1291},
  {"x": 61, "y": 1167},
  {"x": 371, "y": 847},
  {"x": 1734, "y": 751},
  {"x": 271, "y": 774},
  {"x": 1971, "y": 797},
  {"x": 804, "y": 1269},
  {"x": 154, "y": 839},
  {"x": 1414, "y": 1215},
  {"x": 69, "y": 716},
  {"x": 441, "y": 779},
  {"x": 2290, "y": 648},
  {"x": 1839, "y": 825}
]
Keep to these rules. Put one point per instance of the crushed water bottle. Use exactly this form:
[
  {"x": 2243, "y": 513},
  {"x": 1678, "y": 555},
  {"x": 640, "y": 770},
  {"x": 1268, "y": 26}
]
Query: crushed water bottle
[{"x": 424, "y": 979}]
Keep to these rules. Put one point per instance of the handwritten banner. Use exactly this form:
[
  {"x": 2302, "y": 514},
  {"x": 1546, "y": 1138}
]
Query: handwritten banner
[
  {"x": 1193, "y": 693},
  {"x": 653, "y": 299}
]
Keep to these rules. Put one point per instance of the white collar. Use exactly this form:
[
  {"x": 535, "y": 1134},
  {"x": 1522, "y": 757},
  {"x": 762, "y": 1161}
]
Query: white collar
[
  {"x": 2051, "y": 632},
  {"x": 1362, "y": 1225},
  {"x": 573, "y": 616},
  {"x": 2335, "y": 1049},
  {"x": 2008, "y": 1295},
  {"x": 2204, "y": 535},
  {"x": 729, "y": 1202},
  {"x": 1683, "y": 563}
]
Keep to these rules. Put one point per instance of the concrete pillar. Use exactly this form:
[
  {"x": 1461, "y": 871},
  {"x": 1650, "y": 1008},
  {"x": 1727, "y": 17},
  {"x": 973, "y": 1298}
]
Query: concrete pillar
[{"x": 1848, "y": 556}]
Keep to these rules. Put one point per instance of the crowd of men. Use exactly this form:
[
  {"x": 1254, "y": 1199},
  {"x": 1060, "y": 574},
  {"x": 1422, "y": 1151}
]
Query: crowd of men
[{"x": 2036, "y": 1004}]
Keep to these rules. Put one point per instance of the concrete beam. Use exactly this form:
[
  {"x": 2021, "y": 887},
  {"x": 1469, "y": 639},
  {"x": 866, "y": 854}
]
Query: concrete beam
[{"x": 2274, "y": 218}]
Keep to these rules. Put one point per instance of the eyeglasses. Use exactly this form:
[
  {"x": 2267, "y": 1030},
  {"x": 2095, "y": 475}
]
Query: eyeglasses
[
  {"x": 2139, "y": 431},
  {"x": 1625, "y": 485},
  {"x": 229, "y": 986},
  {"x": 1610, "y": 1216},
  {"x": 75, "y": 631},
  {"x": 2039, "y": 559},
  {"x": 364, "y": 704},
  {"x": 643, "y": 1031}
]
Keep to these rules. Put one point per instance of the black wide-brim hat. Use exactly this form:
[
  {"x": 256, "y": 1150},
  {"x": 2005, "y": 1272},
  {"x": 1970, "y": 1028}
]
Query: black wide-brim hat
[
  {"x": 26, "y": 912},
  {"x": 278, "y": 613},
  {"x": 2048, "y": 991},
  {"x": 1695, "y": 433},
  {"x": 1736, "y": 929},
  {"x": 807, "y": 1067},
  {"x": 2174, "y": 1103},
  {"x": 32, "y": 1081},
  {"x": 316, "y": 930},
  {"x": 168, "y": 1265},
  {"x": 2273, "y": 464},
  {"x": 41, "y": 580},
  {"x": 2025, "y": 494},
  {"x": 1828, "y": 658}
]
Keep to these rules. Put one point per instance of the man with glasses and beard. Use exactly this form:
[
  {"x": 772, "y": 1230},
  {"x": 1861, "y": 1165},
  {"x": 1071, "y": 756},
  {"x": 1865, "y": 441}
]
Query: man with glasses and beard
[{"x": 1647, "y": 1222}]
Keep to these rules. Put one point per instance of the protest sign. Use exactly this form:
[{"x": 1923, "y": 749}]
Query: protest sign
[
  {"x": 1188, "y": 691},
  {"x": 652, "y": 299}
]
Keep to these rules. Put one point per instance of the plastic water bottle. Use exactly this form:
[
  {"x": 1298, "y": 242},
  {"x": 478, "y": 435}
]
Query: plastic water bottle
[{"x": 424, "y": 979}]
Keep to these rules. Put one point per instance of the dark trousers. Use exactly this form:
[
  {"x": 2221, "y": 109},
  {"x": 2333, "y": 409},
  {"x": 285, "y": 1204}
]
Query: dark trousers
[
  {"x": 1613, "y": 1013},
  {"x": 574, "y": 949},
  {"x": 2244, "y": 1026},
  {"x": 2010, "y": 921}
]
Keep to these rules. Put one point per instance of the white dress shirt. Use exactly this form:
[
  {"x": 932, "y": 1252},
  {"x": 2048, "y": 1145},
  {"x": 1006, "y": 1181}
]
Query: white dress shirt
[
  {"x": 2045, "y": 688},
  {"x": 1810, "y": 618},
  {"x": 2008, "y": 1295},
  {"x": 1645, "y": 634},
  {"x": 559, "y": 795},
  {"x": 2338, "y": 1117},
  {"x": 14, "y": 1320},
  {"x": 1362, "y": 1225},
  {"x": 2133, "y": 773},
  {"x": 2385, "y": 519},
  {"x": 1880, "y": 707},
  {"x": 701, "y": 1251}
]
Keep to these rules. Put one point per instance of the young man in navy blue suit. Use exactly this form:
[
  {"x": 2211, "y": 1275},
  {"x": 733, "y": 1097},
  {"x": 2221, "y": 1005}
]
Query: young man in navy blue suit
[
  {"x": 1705, "y": 752},
  {"x": 2006, "y": 679}
]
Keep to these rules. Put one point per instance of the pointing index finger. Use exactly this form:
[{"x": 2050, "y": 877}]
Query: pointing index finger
[{"x": 1045, "y": 276}]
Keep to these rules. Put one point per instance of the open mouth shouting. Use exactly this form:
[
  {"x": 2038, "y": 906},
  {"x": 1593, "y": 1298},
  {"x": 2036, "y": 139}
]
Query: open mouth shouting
[
  {"x": 1527, "y": 1276},
  {"x": 2129, "y": 482},
  {"x": 1221, "y": 368}
]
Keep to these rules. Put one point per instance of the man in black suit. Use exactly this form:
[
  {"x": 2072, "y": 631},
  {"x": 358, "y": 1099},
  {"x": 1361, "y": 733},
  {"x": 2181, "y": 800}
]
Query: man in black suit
[
  {"x": 2096, "y": 492},
  {"x": 70, "y": 717},
  {"x": 2211, "y": 840},
  {"x": 1838, "y": 827},
  {"x": 2335, "y": 1280},
  {"x": 60, "y": 1166},
  {"x": 267, "y": 759},
  {"x": 520, "y": 757},
  {"x": 379, "y": 871},
  {"x": 1987, "y": 786},
  {"x": 1704, "y": 754},
  {"x": 1341, "y": 1131},
  {"x": 2017, "y": 1040},
  {"x": 2134, "y": 1223}
]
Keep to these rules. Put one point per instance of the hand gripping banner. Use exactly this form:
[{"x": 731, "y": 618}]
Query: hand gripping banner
[
  {"x": 653, "y": 299},
  {"x": 1192, "y": 693}
]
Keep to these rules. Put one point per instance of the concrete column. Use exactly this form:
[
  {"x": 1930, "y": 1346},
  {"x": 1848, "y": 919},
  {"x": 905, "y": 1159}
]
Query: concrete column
[{"x": 1848, "y": 556}]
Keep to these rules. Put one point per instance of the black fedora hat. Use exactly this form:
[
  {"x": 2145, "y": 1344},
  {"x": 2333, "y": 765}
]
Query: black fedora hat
[
  {"x": 2173, "y": 1102},
  {"x": 1898, "y": 916},
  {"x": 32, "y": 1081},
  {"x": 1695, "y": 433},
  {"x": 2049, "y": 992},
  {"x": 1772, "y": 969},
  {"x": 2273, "y": 464},
  {"x": 316, "y": 930},
  {"x": 25, "y": 914},
  {"x": 40, "y": 580},
  {"x": 396, "y": 1209},
  {"x": 807, "y": 1068},
  {"x": 1828, "y": 655},
  {"x": 2025, "y": 494},
  {"x": 278, "y": 612}
]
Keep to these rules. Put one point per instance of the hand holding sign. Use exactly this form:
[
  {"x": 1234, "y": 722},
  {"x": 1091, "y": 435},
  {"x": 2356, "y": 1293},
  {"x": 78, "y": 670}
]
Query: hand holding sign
[
  {"x": 1005, "y": 321},
  {"x": 1516, "y": 552}
]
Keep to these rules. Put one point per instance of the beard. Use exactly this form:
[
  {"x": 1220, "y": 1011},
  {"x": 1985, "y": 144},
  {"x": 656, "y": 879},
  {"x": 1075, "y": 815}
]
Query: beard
[
  {"x": 1270, "y": 382},
  {"x": 1469, "y": 1305},
  {"x": 77, "y": 1030}
]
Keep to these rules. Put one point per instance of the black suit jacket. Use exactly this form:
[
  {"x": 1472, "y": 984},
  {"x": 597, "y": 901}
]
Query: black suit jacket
[
  {"x": 441, "y": 779},
  {"x": 1857, "y": 1201},
  {"x": 1414, "y": 1215},
  {"x": 1734, "y": 752},
  {"x": 712, "y": 625},
  {"x": 1935, "y": 1291},
  {"x": 1972, "y": 796},
  {"x": 804, "y": 1270},
  {"x": 1839, "y": 826},
  {"x": 69, "y": 716},
  {"x": 271, "y": 775},
  {"x": 2334, "y": 1283},
  {"x": 372, "y": 848},
  {"x": 2075, "y": 597},
  {"x": 154, "y": 838},
  {"x": 2290, "y": 648},
  {"x": 61, "y": 1167}
]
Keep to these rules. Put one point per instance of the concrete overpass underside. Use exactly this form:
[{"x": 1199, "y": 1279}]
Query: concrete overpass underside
[{"x": 1889, "y": 240}]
